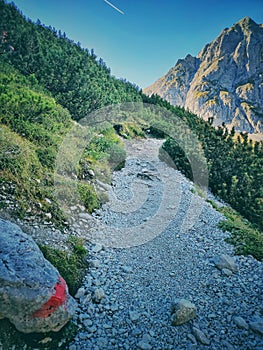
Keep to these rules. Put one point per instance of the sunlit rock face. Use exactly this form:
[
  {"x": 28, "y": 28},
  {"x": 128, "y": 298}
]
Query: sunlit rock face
[{"x": 225, "y": 80}]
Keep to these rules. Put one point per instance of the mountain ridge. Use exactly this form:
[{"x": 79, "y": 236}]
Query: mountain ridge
[{"x": 201, "y": 84}]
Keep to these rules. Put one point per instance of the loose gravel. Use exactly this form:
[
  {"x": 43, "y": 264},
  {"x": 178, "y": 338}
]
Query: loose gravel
[{"x": 167, "y": 253}]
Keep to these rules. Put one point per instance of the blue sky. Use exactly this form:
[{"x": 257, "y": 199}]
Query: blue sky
[{"x": 145, "y": 42}]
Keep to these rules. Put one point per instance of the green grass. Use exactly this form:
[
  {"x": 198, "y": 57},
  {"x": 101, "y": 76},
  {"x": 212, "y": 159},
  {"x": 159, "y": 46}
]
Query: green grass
[
  {"x": 71, "y": 265},
  {"x": 88, "y": 196},
  {"x": 246, "y": 238},
  {"x": 32, "y": 127},
  {"x": 103, "y": 155},
  {"x": 214, "y": 205}
]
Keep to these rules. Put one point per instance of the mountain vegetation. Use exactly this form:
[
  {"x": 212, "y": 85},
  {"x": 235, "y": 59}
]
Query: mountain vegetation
[
  {"x": 76, "y": 78},
  {"x": 47, "y": 82}
]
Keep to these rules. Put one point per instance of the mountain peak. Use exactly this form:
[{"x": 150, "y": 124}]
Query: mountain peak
[
  {"x": 224, "y": 82},
  {"x": 247, "y": 22}
]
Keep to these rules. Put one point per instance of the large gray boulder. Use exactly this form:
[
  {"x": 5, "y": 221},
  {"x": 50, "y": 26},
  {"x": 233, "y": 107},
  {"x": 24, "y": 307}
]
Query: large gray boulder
[{"x": 33, "y": 296}]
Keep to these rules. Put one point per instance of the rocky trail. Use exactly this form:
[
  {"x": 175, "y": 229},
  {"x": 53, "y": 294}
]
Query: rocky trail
[
  {"x": 157, "y": 258},
  {"x": 161, "y": 275}
]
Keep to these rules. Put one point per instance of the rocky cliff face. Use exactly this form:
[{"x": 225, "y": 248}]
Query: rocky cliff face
[{"x": 225, "y": 80}]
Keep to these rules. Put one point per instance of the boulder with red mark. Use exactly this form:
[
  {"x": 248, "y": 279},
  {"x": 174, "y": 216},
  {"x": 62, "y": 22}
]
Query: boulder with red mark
[{"x": 33, "y": 296}]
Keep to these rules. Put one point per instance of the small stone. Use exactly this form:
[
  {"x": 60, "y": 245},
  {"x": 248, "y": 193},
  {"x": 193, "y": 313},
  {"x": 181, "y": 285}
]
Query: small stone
[
  {"x": 107, "y": 326},
  {"x": 146, "y": 338},
  {"x": 81, "y": 207},
  {"x": 127, "y": 269},
  {"x": 225, "y": 262},
  {"x": 151, "y": 332},
  {"x": 98, "y": 295},
  {"x": 83, "y": 336},
  {"x": 48, "y": 215},
  {"x": 102, "y": 343},
  {"x": 91, "y": 172},
  {"x": 97, "y": 248},
  {"x": 134, "y": 316},
  {"x": 72, "y": 347},
  {"x": 92, "y": 329},
  {"x": 227, "y": 345},
  {"x": 192, "y": 338},
  {"x": 200, "y": 336},
  {"x": 182, "y": 312},
  {"x": 73, "y": 208},
  {"x": 144, "y": 346},
  {"x": 94, "y": 263},
  {"x": 88, "y": 323},
  {"x": 229, "y": 318},
  {"x": 240, "y": 322},
  {"x": 114, "y": 308},
  {"x": 227, "y": 272},
  {"x": 137, "y": 331},
  {"x": 257, "y": 326},
  {"x": 80, "y": 293},
  {"x": 45, "y": 340},
  {"x": 121, "y": 330},
  {"x": 85, "y": 216}
]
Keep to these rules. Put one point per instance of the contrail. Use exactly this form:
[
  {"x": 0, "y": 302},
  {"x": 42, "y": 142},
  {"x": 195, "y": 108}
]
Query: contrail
[{"x": 115, "y": 8}]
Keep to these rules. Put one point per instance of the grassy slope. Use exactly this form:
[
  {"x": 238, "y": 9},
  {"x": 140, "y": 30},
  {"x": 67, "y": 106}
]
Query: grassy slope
[{"x": 32, "y": 127}]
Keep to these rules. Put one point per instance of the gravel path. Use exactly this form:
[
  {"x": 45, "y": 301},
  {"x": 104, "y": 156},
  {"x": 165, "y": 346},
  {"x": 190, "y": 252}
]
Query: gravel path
[{"x": 154, "y": 242}]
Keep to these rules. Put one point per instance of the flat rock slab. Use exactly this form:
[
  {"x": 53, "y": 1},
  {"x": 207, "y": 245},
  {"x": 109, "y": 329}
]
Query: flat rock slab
[{"x": 33, "y": 296}]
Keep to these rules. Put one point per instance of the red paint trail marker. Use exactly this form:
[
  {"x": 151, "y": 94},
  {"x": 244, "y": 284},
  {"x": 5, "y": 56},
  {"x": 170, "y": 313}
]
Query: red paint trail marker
[{"x": 55, "y": 301}]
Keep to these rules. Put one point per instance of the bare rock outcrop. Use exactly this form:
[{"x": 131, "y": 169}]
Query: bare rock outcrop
[
  {"x": 224, "y": 82},
  {"x": 33, "y": 296}
]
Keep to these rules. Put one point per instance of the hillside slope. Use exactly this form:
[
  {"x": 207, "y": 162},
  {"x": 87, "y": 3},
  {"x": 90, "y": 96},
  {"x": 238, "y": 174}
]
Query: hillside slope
[
  {"x": 224, "y": 82},
  {"x": 32, "y": 126},
  {"x": 77, "y": 79}
]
